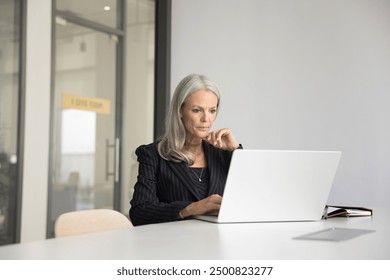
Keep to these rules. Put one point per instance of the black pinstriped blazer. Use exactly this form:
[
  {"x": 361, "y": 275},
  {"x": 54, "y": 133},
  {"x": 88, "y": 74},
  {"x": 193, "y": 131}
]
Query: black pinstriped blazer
[{"x": 164, "y": 188}]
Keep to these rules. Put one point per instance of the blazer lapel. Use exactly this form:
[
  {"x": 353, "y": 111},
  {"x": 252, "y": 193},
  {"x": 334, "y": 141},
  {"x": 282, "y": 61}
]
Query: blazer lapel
[
  {"x": 216, "y": 173},
  {"x": 181, "y": 172},
  {"x": 216, "y": 187}
]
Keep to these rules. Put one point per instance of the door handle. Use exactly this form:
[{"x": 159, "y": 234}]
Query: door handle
[
  {"x": 114, "y": 146},
  {"x": 116, "y": 167}
]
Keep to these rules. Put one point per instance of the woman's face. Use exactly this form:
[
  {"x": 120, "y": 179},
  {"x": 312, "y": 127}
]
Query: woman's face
[{"x": 198, "y": 113}]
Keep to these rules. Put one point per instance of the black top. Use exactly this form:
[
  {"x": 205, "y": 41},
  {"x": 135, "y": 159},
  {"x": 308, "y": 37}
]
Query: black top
[{"x": 200, "y": 175}]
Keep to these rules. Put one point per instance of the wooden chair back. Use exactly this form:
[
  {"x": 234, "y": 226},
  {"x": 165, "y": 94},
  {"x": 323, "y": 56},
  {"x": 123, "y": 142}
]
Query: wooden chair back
[{"x": 88, "y": 221}]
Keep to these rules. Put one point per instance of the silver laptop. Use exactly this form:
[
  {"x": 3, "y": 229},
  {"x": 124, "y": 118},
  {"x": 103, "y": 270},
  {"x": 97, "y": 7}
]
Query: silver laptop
[{"x": 276, "y": 186}]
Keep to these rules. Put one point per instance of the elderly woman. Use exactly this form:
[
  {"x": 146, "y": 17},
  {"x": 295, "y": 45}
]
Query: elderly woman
[{"x": 184, "y": 173}]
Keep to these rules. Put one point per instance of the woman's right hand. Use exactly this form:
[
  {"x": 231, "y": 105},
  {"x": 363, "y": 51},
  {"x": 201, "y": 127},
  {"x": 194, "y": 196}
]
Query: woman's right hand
[{"x": 209, "y": 204}]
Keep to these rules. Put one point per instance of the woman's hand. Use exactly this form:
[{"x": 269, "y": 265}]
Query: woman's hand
[
  {"x": 223, "y": 139},
  {"x": 207, "y": 205}
]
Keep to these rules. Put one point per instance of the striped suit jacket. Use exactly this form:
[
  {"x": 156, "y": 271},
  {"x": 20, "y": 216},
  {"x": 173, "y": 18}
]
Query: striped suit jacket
[{"x": 163, "y": 188}]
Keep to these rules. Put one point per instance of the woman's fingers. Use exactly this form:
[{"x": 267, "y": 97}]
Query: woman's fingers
[
  {"x": 216, "y": 138},
  {"x": 210, "y": 204},
  {"x": 223, "y": 139}
]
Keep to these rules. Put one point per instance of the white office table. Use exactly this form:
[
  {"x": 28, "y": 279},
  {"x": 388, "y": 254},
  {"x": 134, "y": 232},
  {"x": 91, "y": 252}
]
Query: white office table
[{"x": 194, "y": 239}]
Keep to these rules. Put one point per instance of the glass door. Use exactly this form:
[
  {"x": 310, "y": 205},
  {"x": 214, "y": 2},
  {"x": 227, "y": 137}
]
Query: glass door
[
  {"x": 10, "y": 81},
  {"x": 85, "y": 159}
]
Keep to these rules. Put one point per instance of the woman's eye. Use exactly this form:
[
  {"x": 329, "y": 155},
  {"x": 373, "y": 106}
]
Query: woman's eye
[{"x": 195, "y": 110}]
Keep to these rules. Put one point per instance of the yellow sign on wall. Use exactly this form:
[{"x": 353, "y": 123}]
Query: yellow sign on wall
[{"x": 98, "y": 105}]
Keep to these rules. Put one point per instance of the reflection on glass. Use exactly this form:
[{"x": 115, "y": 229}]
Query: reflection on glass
[
  {"x": 84, "y": 146},
  {"x": 85, "y": 72},
  {"x": 9, "y": 77},
  {"x": 100, "y": 11},
  {"x": 78, "y": 131}
]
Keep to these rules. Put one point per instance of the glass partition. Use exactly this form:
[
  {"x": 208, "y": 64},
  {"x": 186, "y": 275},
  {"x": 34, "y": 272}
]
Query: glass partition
[
  {"x": 10, "y": 21},
  {"x": 84, "y": 162},
  {"x": 103, "y": 102},
  {"x": 99, "y": 11}
]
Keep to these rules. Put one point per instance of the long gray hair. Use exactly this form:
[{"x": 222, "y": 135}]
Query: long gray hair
[{"x": 172, "y": 142}]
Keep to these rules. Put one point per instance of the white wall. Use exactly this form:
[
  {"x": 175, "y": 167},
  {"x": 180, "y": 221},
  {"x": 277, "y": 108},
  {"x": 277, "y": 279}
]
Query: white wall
[{"x": 304, "y": 74}]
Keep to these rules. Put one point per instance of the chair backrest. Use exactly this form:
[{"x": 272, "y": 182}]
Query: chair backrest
[{"x": 88, "y": 221}]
